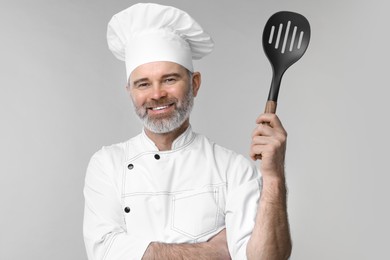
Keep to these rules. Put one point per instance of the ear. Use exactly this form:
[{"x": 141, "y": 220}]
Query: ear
[{"x": 196, "y": 82}]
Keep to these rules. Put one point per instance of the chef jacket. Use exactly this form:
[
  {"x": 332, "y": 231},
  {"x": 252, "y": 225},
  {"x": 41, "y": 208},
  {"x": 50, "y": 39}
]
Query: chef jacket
[{"x": 136, "y": 194}]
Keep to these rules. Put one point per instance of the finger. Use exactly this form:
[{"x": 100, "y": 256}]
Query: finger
[
  {"x": 260, "y": 152},
  {"x": 257, "y": 151},
  {"x": 261, "y": 140},
  {"x": 256, "y": 154},
  {"x": 265, "y": 144},
  {"x": 274, "y": 122},
  {"x": 272, "y": 119},
  {"x": 257, "y": 146},
  {"x": 262, "y": 130},
  {"x": 266, "y": 130}
]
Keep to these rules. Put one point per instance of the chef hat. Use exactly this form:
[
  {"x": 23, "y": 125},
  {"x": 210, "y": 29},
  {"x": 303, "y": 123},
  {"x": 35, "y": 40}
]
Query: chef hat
[{"x": 145, "y": 33}]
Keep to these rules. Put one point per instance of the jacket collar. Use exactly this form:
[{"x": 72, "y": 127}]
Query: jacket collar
[{"x": 182, "y": 140}]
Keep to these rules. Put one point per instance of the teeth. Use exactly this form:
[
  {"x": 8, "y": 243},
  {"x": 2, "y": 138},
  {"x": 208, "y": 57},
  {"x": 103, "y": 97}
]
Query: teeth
[{"x": 159, "y": 108}]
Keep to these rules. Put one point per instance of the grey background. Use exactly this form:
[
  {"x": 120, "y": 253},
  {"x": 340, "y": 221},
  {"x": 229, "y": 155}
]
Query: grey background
[{"x": 63, "y": 97}]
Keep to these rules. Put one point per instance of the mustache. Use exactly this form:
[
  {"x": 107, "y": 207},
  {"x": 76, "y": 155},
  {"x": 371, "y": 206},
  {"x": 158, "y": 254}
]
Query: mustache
[{"x": 160, "y": 102}]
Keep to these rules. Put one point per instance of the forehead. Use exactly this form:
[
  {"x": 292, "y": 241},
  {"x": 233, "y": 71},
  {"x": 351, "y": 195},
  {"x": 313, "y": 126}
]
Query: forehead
[{"x": 157, "y": 69}]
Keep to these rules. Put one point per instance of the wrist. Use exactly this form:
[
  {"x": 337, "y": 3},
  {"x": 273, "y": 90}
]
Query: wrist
[
  {"x": 275, "y": 173},
  {"x": 274, "y": 181},
  {"x": 274, "y": 190}
]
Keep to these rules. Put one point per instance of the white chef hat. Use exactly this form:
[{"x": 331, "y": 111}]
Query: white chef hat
[{"x": 146, "y": 33}]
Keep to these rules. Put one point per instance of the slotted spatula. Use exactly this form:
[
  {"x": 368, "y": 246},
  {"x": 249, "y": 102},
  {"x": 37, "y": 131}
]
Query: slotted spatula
[{"x": 286, "y": 36}]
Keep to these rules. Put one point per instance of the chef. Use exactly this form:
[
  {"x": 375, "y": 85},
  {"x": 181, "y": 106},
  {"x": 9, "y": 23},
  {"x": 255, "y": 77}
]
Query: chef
[{"x": 169, "y": 192}]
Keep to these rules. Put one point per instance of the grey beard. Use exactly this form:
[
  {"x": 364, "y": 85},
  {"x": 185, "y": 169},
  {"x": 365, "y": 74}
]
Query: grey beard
[{"x": 166, "y": 125}]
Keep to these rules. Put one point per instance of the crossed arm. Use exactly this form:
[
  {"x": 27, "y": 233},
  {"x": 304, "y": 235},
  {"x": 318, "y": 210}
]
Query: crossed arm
[
  {"x": 215, "y": 248},
  {"x": 270, "y": 238}
]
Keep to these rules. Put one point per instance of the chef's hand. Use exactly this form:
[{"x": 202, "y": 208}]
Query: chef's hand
[
  {"x": 269, "y": 144},
  {"x": 219, "y": 243}
]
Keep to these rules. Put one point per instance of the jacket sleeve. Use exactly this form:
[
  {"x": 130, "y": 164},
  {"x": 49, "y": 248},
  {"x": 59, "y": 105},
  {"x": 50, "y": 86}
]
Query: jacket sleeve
[
  {"x": 241, "y": 207},
  {"x": 104, "y": 229}
]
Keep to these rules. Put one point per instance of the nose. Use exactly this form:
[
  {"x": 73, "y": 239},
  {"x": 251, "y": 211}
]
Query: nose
[{"x": 158, "y": 91}]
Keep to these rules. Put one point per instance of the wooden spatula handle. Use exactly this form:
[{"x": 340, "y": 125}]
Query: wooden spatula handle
[{"x": 270, "y": 107}]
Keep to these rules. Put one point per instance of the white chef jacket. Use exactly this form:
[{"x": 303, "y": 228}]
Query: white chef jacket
[{"x": 136, "y": 194}]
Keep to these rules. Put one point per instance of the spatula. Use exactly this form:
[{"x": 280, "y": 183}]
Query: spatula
[{"x": 286, "y": 36}]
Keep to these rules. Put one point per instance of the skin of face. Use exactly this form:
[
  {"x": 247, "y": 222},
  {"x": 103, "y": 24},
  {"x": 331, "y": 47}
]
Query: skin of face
[{"x": 162, "y": 90}]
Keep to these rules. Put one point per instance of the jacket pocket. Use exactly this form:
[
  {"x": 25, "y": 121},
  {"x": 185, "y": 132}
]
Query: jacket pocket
[{"x": 195, "y": 213}]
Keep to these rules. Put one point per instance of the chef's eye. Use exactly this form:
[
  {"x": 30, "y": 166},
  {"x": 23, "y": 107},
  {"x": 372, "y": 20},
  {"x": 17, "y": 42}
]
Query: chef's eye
[
  {"x": 142, "y": 85},
  {"x": 170, "y": 80}
]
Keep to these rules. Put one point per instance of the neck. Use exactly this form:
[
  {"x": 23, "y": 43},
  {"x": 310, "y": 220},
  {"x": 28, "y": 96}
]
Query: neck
[{"x": 164, "y": 141}]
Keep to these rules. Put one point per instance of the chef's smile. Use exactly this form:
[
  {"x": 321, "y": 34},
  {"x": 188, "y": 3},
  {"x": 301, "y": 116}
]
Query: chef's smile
[{"x": 160, "y": 110}]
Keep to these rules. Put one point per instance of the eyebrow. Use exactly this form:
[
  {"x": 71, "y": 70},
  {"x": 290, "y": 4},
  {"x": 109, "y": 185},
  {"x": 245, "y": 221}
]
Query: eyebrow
[
  {"x": 139, "y": 80},
  {"x": 177, "y": 75}
]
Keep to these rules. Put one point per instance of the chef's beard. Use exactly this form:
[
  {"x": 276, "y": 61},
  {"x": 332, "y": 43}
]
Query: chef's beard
[{"x": 172, "y": 122}]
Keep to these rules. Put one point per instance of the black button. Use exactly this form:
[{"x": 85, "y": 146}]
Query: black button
[
  {"x": 130, "y": 166},
  {"x": 127, "y": 209},
  {"x": 157, "y": 157}
]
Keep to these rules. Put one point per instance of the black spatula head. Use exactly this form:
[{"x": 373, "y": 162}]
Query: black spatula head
[{"x": 286, "y": 36}]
